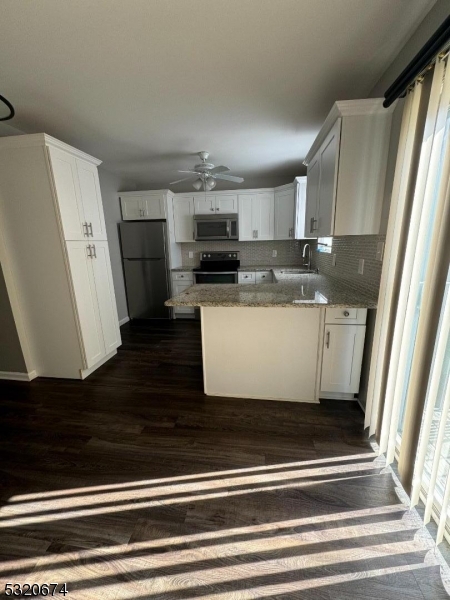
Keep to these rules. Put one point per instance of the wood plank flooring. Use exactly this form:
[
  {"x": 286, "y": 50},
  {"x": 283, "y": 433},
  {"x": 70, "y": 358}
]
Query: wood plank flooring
[{"x": 132, "y": 484}]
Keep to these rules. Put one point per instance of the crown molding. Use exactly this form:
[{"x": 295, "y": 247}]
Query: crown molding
[
  {"x": 43, "y": 139},
  {"x": 347, "y": 108}
]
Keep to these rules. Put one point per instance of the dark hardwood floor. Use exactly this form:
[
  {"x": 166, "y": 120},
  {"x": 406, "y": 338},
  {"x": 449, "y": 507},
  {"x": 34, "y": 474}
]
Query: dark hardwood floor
[{"x": 133, "y": 484}]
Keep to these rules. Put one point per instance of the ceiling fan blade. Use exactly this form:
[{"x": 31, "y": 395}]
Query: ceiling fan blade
[
  {"x": 229, "y": 178},
  {"x": 180, "y": 180},
  {"x": 221, "y": 169},
  {"x": 196, "y": 172}
]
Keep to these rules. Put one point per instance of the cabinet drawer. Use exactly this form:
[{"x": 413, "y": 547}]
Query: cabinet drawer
[
  {"x": 183, "y": 276},
  {"x": 246, "y": 277},
  {"x": 353, "y": 316},
  {"x": 264, "y": 277}
]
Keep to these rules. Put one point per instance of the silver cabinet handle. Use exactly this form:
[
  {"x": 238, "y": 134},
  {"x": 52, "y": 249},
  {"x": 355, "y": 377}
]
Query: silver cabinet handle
[
  {"x": 217, "y": 209},
  {"x": 328, "y": 339},
  {"x": 312, "y": 228},
  {"x": 85, "y": 230},
  {"x": 346, "y": 313},
  {"x": 256, "y": 234},
  {"x": 90, "y": 228},
  {"x": 89, "y": 250},
  {"x": 95, "y": 251},
  {"x": 211, "y": 209}
]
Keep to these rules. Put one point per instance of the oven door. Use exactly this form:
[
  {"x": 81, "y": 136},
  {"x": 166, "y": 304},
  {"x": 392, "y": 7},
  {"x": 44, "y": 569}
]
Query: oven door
[
  {"x": 217, "y": 229},
  {"x": 216, "y": 277}
]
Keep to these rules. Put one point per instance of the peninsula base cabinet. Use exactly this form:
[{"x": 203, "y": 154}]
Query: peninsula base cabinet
[
  {"x": 181, "y": 281},
  {"x": 343, "y": 348},
  {"x": 55, "y": 257}
]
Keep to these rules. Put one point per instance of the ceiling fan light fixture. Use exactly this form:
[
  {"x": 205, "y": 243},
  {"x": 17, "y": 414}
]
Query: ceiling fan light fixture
[
  {"x": 197, "y": 184},
  {"x": 210, "y": 183}
]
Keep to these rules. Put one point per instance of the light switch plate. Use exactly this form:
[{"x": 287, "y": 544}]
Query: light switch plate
[
  {"x": 274, "y": 253},
  {"x": 333, "y": 260},
  {"x": 361, "y": 266},
  {"x": 191, "y": 255}
]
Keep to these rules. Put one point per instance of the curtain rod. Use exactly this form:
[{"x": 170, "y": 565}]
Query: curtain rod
[{"x": 426, "y": 55}]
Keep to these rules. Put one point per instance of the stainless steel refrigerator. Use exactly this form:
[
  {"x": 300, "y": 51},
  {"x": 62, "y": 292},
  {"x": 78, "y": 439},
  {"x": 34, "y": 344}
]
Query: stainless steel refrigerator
[{"x": 146, "y": 268}]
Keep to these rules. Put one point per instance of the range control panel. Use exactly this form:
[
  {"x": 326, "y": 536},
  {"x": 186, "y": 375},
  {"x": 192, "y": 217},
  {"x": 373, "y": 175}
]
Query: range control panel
[{"x": 219, "y": 256}]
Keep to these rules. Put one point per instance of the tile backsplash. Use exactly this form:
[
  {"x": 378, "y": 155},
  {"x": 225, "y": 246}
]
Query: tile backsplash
[
  {"x": 289, "y": 252},
  {"x": 348, "y": 251}
]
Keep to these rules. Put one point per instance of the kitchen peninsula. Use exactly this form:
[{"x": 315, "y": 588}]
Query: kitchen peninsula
[{"x": 254, "y": 349}]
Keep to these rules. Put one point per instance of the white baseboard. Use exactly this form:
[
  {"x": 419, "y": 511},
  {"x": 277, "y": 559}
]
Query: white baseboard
[
  {"x": 123, "y": 321},
  {"x": 14, "y": 376},
  {"x": 337, "y": 396}
]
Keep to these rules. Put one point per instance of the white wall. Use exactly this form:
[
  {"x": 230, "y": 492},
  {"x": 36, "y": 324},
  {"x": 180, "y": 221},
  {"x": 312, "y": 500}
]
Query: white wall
[{"x": 110, "y": 184}]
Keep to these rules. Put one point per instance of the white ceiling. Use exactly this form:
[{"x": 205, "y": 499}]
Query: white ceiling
[{"x": 144, "y": 84}]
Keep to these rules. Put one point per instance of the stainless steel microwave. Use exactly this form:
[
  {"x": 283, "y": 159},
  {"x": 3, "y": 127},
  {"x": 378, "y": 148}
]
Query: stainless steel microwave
[{"x": 216, "y": 227}]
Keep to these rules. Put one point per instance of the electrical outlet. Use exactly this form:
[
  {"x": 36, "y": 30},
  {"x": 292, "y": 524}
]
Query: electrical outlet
[
  {"x": 380, "y": 251},
  {"x": 274, "y": 253},
  {"x": 361, "y": 266},
  {"x": 191, "y": 255},
  {"x": 333, "y": 260}
]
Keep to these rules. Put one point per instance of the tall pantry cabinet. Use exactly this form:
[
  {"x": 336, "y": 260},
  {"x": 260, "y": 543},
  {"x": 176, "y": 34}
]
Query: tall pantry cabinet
[{"x": 55, "y": 257}]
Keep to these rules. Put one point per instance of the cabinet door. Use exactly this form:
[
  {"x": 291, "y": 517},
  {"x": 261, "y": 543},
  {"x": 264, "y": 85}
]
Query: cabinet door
[
  {"x": 284, "y": 215},
  {"x": 246, "y": 277},
  {"x": 131, "y": 208},
  {"x": 226, "y": 204},
  {"x": 68, "y": 193},
  {"x": 101, "y": 265},
  {"x": 183, "y": 212},
  {"x": 153, "y": 206},
  {"x": 87, "y": 306},
  {"x": 204, "y": 205},
  {"x": 178, "y": 289},
  {"x": 342, "y": 357},
  {"x": 263, "y": 215},
  {"x": 329, "y": 161},
  {"x": 91, "y": 199},
  {"x": 246, "y": 229},
  {"x": 312, "y": 196}
]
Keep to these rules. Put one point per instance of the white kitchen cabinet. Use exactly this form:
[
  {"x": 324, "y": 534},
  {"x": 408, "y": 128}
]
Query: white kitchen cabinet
[
  {"x": 346, "y": 170},
  {"x": 183, "y": 212},
  {"x": 79, "y": 198},
  {"x": 256, "y": 216},
  {"x": 246, "y": 277},
  {"x": 264, "y": 277},
  {"x": 343, "y": 349},
  {"x": 86, "y": 299},
  {"x": 181, "y": 281},
  {"x": 204, "y": 205},
  {"x": 215, "y": 204},
  {"x": 285, "y": 214},
  {"x": 90, "y": 270},
  {"x": 145, "y": 207},
  {"x": 227, "y": 204},
  {"x": 91, "y": 199},
  {"x": 300, "y": 219},
  {"x": 61, "y": 289}
]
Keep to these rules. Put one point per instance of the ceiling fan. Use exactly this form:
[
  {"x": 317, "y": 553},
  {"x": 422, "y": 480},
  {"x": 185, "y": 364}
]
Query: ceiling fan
[{"x": 205, "y": 174}]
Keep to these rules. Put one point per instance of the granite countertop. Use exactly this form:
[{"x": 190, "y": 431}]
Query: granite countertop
[{"x": 307, "y": 291}]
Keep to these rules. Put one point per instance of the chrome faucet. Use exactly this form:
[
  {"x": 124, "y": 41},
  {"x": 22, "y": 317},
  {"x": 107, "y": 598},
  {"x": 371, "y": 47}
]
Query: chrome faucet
[{"x": 308, "y": 262}]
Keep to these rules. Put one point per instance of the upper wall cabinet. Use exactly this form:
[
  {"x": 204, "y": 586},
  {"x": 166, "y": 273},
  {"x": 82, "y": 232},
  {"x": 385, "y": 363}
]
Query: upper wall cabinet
[
  {"x": 215, "y": 204},
  {"x": 285, "y": 213},
  {"x": 143, "y": 206},
  {"x": 183, "y": 215},
  {"x": 256, "y": 216},
  {"x": 347, "y": 170},
  {"x": 79, "y": 198}
]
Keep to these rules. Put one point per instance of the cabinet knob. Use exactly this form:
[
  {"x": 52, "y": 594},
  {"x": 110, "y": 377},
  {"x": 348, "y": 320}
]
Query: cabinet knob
[
  {"x": 211, "y": 209},
  {"x": 346, "y": 313}
]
